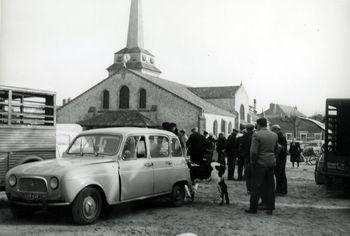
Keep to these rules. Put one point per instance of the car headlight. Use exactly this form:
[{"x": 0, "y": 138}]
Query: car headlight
[
  {"x": 12, "y": 181},
  {"x": 54, "y": 183}
]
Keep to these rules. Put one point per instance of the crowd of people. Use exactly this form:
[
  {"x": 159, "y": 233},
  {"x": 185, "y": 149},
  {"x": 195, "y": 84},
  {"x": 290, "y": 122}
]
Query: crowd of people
[{"x": 259, "y": 153}]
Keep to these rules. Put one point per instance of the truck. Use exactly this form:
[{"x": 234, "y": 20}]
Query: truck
[
  {"x": 336, "y": 156},
  {"x": 27, "y": 127}
]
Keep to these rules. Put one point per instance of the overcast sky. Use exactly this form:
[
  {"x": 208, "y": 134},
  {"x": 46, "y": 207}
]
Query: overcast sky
[{"x": 293, "y": 52}]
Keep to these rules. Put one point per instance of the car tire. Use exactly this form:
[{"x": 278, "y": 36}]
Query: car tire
[
  {"x": 87, "y": 206},
  {"x": 21, "y": 211},
  {"x": 177, "y": 196}
]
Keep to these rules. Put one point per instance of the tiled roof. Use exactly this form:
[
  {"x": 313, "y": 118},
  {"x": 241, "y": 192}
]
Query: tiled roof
[
  {"x": 122, "y": 118},
  {"x": 288, "y": 110},
  {"x": 215, "y": 92},
  {"x": 183, "y": 92}
]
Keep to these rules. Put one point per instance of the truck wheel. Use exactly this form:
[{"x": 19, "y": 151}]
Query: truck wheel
[
  {"x": 177, "y": 196},
  {"x": 21, "y": 211},
  {"x": 86, "y": 207}
]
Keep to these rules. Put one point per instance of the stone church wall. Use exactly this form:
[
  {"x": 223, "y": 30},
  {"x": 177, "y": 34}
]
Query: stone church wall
[
  {"x": 211, "y": 118},
  {"x": 170, "y": 108}
]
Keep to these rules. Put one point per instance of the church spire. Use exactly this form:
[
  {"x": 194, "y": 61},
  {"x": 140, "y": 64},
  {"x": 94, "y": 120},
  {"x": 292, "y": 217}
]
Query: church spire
[
  {"x": 134, "y": 56},
  {"x": 135, "y": 32}
]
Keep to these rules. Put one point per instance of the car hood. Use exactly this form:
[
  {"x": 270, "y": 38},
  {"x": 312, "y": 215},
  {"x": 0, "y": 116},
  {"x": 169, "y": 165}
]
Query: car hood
[{"x": 57, "y": 167}]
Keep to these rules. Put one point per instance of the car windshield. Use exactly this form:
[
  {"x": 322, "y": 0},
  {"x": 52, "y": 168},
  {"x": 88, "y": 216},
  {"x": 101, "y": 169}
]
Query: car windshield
[{"x": 95, "y": 144}]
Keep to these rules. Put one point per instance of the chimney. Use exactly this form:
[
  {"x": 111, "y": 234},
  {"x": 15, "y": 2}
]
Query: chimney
[
  {"x": 64, "y": 101},
  {"x": 68, "y": 100}
]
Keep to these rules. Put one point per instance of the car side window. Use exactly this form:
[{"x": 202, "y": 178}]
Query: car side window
[
  {"x": 135, "y": 147},
  {"x": 159, "y": 146},
  {"x": 176, "y": 150}
]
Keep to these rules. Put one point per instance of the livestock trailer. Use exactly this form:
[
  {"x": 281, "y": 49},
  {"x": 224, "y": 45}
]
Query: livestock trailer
[{"x": 27, "y": 127}]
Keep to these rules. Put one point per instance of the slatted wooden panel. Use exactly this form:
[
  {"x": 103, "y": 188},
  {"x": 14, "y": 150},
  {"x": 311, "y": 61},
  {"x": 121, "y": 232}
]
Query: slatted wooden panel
[{"x": 13, "y": 139}]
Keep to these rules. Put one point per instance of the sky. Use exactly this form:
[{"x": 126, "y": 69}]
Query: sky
[{"x": 291, "y": 52}]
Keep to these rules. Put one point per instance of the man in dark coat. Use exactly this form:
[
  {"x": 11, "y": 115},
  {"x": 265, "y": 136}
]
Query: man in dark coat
[
  {"x": 231, "y": 152},
  {"x": 281, "y": 159},
  {"x": 263, "y": 158},
  {"x": 220, "y": 147},
  {"x": 244, "y": 151},
  {"x": 196, "y": 147}
]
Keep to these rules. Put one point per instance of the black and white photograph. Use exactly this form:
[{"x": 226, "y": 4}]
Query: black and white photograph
[{"x": 175, "y": 117}]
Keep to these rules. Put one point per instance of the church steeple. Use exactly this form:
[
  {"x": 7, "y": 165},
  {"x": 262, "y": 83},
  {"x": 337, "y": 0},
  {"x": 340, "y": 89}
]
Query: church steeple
[
  {"x": 134, "y": 56},
  {"x": 135, "y": 32}
]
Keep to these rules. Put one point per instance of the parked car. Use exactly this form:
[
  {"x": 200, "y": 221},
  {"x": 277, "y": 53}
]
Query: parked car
[{"x": 102, "y": 168}]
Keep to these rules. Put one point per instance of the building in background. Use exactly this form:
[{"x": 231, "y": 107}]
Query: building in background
[
  {"x": 134, "y": 95},
  {"x": 293, "y": 123}
]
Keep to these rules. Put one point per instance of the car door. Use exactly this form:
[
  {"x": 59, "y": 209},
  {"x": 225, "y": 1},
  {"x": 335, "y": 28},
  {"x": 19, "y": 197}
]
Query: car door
[
  {"x": 178, "y": 172},
  {"x": 136, "y": 170},
  {"x": 162, "y": 164}
]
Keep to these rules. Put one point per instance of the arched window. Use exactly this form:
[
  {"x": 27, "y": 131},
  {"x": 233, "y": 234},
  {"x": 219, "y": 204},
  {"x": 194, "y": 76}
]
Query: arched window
[
  {"x": 230, "y": 127},
  {"x": 242, "y": 113},
  {"x": 215, "y": 128},
  {"x": 105, "y": 99},
  {"x": 124, "y": 98},
  {"x": 143, "y": 99},
  {"x": 223, "y": 126}
]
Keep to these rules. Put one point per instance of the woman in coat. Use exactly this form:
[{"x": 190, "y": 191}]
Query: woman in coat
[{"x": 295, "y": 152}]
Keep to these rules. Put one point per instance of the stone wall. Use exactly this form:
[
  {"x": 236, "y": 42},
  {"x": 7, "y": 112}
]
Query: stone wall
[
  {"x": 211, "y": 118},
  {"x": 169, "y": 108}
]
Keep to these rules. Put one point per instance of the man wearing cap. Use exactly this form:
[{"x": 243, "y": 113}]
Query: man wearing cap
[
  {"x": 262, "y": 155},
  {"x": 281, "y": 158},
  {"x": 244, "y": 144}
]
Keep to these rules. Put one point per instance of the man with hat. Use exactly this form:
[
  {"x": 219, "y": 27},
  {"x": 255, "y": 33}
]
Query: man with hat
[
  {"x": 262, "y": 155},
  {"x": 244, "y": 144},
  {"x": 281, "y": 158}
]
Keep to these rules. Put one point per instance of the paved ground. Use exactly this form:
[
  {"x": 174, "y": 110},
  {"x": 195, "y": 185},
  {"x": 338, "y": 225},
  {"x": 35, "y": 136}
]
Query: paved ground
[{"x": 307, "y": 210}]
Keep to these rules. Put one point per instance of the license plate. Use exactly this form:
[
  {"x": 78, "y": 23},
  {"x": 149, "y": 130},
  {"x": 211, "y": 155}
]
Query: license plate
[{"x": 33, "y": 196}]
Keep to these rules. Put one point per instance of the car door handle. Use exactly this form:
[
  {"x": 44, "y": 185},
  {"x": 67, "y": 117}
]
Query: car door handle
[
  {"x": 148, "y": 164},
  {"x": 168, "y": 163}
]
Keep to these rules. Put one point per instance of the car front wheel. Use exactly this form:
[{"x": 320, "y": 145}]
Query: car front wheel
[
  {"x": 177, "y": 197},
  {"x": 87, "y": 206}
]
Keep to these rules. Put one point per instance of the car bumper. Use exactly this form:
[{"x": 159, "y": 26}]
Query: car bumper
[{"x": 35, "y": 200}]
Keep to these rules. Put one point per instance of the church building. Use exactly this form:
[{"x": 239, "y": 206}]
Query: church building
[{"x": 134, "y": 94}]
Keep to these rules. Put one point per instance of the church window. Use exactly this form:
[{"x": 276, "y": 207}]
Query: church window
[
  {"x": 105, "y": 99},
  {"x": 223, "y": 126},
  {"x": 143, "y": 98},
  {"x": 242, "y": 113},
  {"x": 229, "y": 127},
  {"x": 152, "y": 60},
  {"x": 144, "y": 58},
  {"x": 124, "y": 97},
  {"x": 215, "y": 128}
]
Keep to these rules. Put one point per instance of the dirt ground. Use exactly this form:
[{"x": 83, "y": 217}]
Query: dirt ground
[{"x": 308, "y": 209}]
